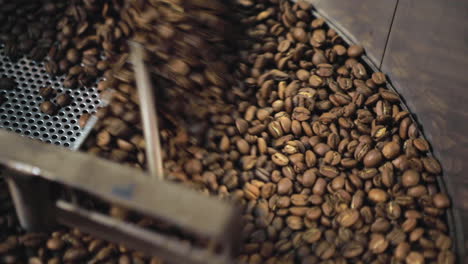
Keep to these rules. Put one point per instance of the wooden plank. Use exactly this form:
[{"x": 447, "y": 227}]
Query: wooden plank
[{"x": 129, "y": 187}]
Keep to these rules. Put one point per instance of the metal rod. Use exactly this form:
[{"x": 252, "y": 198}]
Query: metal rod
[{"x": 148, "y": 112}]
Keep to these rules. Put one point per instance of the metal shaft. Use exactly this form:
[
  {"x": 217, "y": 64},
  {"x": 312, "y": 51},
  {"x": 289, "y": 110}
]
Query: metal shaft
[{"x": 148, "y": 112}]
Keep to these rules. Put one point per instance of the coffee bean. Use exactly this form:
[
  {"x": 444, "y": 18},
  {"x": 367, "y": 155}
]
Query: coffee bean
[
  {"x": 328, "y": 171},
  {"x": 243, "y": 146},
  {"x": 63, "y": 100},
  {"x": 48, "y": 108},
  {"x": 373, "y": 158},
  {"x": 319, "y": 186},
  {"x": 285, "y": 186},
  {"x": 443, "y": 242},
  {"x": 391, "y": 150},
  {"x": 73, "y": 56},
  {"x": 378, "y": 244},
  {"x": 355, "y": 51},
  {"x": 409, "y": 224},
  {"x": 55, "y": 244},
  {"x": 295, "y": 222},
  {"x": 312, "y": 235},
  {"x": 441, "y": 200},
  {"x": 75, "y": 254},
  {"x": 378, "y": 195},
  {"x": 325, "y": 250},
  {"x": 431, "y": 165},
  {"x": 446, "y": 257},
  {"x": 303, "y": 75},
  {"x": 402, "y": 251},
  {"x": 321, "y": 149},
  {"x": 280, "y": 159},
  {"x": 378, "y": 78},
  {"x": 301, "y": 114},
  {"x": 284, "y": 45},
  {"x": 299, "y": 35},
  {"x": 299, "y": 199},
  {"x": 352, "y": 250},
  {"x": 241, "y": 125},
  {"x": 410, "y": 178},
  {"x": 324, "y": 70},
  {"x": 46, "y": 92},
  {"x": 316, "y": 81},
  {"x": 178, "y": 66},
  {"x": 414, "y": 258},
  {"x": 251, "y": 191},
  {"x": 421, "y": 144},
  {"x": 348, "y": 217},
  {"x": 283, "y": 202},
  {"x": 417, "y": 191}
]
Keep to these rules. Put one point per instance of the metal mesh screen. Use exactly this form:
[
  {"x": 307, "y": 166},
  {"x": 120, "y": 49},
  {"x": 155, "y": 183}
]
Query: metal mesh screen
[{"x": 20, "y": 112}]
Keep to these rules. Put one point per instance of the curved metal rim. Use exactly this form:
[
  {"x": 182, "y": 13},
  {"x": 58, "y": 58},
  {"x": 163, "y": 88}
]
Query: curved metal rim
[{"x": 453, "y": 215}]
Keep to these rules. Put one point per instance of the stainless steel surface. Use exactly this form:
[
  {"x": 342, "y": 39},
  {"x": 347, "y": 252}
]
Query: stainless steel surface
[
  {"x": 143, "y": 240},
  {"x": 427, "y": 59},
  {"x": 366, "y": 22},
  {"x": 148, "y": 112},
  {"x": 131, "y": 188},
  {"x": 21, "y": 113}
]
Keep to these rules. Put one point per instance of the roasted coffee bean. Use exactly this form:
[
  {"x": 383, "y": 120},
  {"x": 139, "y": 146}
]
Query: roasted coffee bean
[
  {"x": 391, "y": 150},
  {"x": 378, "y": 78},
  {"x": 410, "y": 178},
  {"x": 414, "y": 257},
  {"x": 47, "y": 92},
  {"x": 63, "y": 100},
  {"x": 52, "y": 67},
  {"x": 55, "y": 244},
  {"x": 431, "y": 165},
  {"x": 73, "y": 56},
  {"x": 348, "y": 217},
  {"x": 373, "y": 158},
  {"x": 285, "y": 186},
  {"x": 402, "y": 251},
  {"x": 355, "y": 51},
  {"x": 83, "y": 120},
  {"x": 75, "y": 254},
  {"x": 441, "y": 200},
  {"x": 48, "y": 108},
  {"x": 280, "y": 159},
  {"x": 312, "y": 235},
  {"x": 378, "y": 244},
  {"x": 378, "y": 195},
  {"x": 295, "y": 222}
]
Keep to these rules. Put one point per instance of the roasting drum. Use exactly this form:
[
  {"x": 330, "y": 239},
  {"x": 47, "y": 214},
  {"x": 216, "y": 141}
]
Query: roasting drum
[{"x": 422, "y": 46}]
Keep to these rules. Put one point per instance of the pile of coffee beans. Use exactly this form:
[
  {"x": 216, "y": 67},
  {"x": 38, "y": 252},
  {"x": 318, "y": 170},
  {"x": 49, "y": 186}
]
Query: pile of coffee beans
[
  {"x": 327, "y": 163},
  {"x": 28, "y": 27}
]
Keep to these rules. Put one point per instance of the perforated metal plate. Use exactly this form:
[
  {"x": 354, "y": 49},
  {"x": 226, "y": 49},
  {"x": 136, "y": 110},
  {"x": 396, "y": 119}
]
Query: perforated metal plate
[{"x": 20, "y": 112}]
